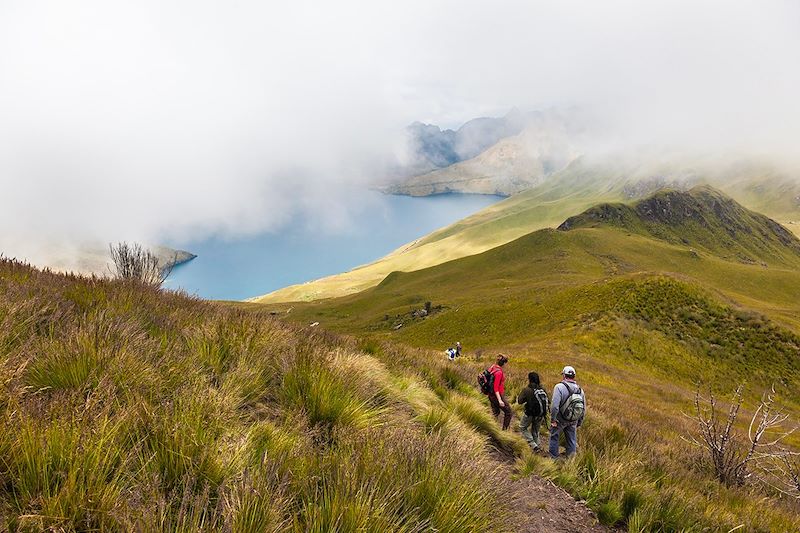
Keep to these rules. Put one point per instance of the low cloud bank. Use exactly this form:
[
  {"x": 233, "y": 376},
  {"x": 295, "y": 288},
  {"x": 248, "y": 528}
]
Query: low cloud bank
[{"x": 161, "y": 120}]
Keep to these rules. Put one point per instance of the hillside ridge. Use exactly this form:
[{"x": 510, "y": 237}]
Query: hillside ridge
[
  {"x": 701, "y": 216},
  {"x": 584, "y": 183}
]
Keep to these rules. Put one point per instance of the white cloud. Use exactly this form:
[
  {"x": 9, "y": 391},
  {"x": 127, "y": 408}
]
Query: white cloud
[{"x": 141, "y": 120}]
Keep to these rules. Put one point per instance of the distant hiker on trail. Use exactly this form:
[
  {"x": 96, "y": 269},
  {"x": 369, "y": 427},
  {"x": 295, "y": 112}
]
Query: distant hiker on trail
[
  {"x": 566, "y": 413},
  {"x": 454, "y": 352},
  {"x": 534, "y": 398},
  {"x": 493, "y": 384}
]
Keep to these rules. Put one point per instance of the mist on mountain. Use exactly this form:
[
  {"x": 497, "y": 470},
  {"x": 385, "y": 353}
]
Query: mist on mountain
[{"x": 148, "y": 121}]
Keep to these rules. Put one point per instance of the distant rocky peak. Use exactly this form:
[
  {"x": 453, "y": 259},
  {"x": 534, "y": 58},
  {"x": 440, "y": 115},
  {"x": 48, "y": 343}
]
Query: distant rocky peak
[
  {"x": 701, "y": 216},
  {"x": 641, "y": 188}
]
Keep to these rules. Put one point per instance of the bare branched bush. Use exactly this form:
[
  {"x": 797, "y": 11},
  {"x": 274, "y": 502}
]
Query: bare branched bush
[
  {"x": 733, "y": 456},
  {"x": 792, "y": 473},
  {"x": 781, "y": 471},
  {"x": 135, "y": 263}
]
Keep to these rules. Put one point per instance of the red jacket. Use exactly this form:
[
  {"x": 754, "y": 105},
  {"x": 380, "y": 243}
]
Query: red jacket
[{"x": 499, "y": 379}]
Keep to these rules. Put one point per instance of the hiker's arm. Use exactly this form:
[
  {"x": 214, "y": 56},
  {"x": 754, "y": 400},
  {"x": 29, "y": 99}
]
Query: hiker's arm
[
  {"x": 523, "y": 397},
  {"x": 554, "y": 406},
  {"x": 580, "y": 422},
  {"x": 499, "y": 399}
]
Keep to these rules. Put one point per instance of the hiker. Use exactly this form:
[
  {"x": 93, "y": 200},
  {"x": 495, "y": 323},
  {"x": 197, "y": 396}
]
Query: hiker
[
  {"x": 566, "y": 412},
  {"x": 493, "y": 384},
  {"x": 452, "y": 352},
  {"x": 534, "y": 398}
]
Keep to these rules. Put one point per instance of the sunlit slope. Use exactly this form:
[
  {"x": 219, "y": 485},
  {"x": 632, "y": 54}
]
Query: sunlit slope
[
  {"x": 537, "y": 208},
  {"x": 645, "y": 305},
  {"x": 737, "y": 254},
  {"x": 703, "y": 218},
  {"x": 576, "y": 188}
]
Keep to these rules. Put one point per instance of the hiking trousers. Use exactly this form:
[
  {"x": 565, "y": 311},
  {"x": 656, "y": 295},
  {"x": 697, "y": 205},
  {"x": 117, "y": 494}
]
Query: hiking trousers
[
  {"x": 529, "y": 427},
  {"x": 496, "y": 409},
  {"x": 570, "y": 432}
]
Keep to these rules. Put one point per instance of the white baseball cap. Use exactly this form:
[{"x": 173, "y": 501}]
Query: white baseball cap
[{"x": 568, "y": 371}]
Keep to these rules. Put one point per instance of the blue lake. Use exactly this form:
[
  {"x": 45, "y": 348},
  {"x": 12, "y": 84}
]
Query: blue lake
[{"x": 235, "y": 269}]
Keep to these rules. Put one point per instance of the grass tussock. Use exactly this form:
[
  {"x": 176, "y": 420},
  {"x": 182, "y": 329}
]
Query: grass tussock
[{"x": 125, "y": 408}]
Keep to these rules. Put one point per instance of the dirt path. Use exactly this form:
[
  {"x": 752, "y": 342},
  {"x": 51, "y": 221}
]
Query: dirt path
[{"x": 545, "y": 507}]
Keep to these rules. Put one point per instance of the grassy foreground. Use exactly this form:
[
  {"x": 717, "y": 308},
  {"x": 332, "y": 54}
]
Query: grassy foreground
[{"x": 124, "y": 408}]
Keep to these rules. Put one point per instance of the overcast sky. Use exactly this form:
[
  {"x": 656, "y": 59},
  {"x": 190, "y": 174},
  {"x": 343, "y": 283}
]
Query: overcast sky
[{"x": 151, "y": 120}]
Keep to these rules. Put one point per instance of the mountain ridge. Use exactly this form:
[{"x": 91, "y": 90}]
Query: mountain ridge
[
  {"x": 584, "y": 183},
  {"x": 702, "y": 216},
  {"x": 594, "y": 251}
]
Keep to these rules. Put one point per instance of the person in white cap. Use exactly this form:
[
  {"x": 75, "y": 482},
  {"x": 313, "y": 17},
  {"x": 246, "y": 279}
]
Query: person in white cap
[{"x": 567, "y": 411}]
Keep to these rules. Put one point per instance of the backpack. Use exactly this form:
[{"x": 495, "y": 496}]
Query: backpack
[
  {"x": 486, "y": 381},
  {"x": 537, "y": 407},
  {"x": 572, "y": 407}
]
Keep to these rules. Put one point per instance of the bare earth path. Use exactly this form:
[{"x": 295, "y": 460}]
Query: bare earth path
[{"x": 547, "y": 507}]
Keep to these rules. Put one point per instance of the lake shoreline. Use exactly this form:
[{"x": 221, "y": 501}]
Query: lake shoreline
[{"x": 241, "y": 269}]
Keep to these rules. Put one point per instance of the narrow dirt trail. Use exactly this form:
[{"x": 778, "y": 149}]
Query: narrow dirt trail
[
  {"x": 542, "y": 506},
  {"x": 546, "y": 507}
]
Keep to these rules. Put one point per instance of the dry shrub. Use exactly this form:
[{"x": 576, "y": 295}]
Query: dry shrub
[{"x": 132, "y": 262}]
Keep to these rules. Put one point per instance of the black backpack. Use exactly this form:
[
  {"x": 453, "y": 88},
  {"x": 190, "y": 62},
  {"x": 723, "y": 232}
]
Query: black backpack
[
  {"x": 486, "y": 381},
  {"x": 537, "y": 406}
]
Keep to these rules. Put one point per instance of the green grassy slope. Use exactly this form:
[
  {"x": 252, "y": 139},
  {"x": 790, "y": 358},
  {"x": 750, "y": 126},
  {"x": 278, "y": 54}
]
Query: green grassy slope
[
  {"x": 583, "y": 184},
  {"x": 126, "y": 409},
  {"x": 701, "y": 217},
  {"x": 645, "y": 305},
  {"x": 548, "y": 261}
]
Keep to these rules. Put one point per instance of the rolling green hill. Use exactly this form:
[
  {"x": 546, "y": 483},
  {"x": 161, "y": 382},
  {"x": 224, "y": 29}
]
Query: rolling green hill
[
  {"x": 589, "y": 249},
  {"x": 646, "y": 300},
  {"x": 583, "y": 184},
  {"x": 701, "y": 217}
]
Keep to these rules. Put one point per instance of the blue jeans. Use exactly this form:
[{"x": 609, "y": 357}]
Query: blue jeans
[{"x": 570, "y": 435}]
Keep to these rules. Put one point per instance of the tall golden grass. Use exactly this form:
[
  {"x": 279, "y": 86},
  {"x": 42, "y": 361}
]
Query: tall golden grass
[{"x": 128, "y": 408}]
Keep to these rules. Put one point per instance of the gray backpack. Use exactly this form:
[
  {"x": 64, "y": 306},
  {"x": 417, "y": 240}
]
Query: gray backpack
[{"x": 572, "y": 407}]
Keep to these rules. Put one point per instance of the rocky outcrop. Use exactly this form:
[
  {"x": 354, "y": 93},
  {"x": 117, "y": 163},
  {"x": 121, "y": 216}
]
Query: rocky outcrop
[
  {"x": 702, "y": 217},
  {"x": 94, "y": 259},
  {"x": 170, "y": 257}
]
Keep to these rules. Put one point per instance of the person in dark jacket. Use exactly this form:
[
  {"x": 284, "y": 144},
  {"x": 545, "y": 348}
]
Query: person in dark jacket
[
  {"x": 497, "y": 397},
  {"x": 534, "y": 399}
]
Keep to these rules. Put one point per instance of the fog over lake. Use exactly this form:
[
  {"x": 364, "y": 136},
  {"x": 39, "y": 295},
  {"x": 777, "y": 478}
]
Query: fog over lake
[{"x": 234, "y": 269}]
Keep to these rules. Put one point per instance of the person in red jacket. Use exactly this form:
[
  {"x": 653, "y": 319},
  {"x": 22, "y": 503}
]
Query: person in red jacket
[{"x": 497, "y": 397}]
